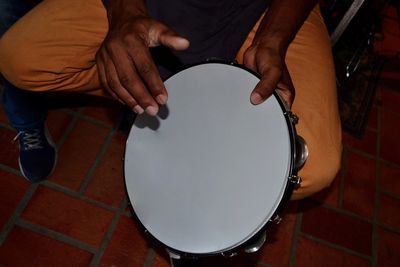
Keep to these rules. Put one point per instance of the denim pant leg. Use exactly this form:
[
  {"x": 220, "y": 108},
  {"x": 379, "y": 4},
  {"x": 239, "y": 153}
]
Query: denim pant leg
[{"x": 23, "y": 108}]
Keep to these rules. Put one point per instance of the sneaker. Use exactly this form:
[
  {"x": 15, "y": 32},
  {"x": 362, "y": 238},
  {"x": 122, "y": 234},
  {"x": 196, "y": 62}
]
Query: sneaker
[{"x": 37, "y": 154}]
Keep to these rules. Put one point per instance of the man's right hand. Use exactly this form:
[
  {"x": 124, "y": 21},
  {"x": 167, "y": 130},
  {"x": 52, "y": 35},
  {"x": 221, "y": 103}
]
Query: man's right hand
[{"x": 126, "y": 69}]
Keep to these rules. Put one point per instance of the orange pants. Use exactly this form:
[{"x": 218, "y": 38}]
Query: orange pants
[{"x": 53, "y": 47}]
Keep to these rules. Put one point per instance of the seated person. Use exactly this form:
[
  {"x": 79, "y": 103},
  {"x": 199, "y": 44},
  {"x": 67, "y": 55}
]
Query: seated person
[{"x": 105, "y": 49}]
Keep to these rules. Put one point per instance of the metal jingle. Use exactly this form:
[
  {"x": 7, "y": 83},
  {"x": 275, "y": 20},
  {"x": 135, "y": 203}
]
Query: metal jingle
[
  {"x": 295, "y": 180},
  {"x": 293, "y": 117},
  {"x": 301, "y": 152},
  {"x": 254, "y": 247}
]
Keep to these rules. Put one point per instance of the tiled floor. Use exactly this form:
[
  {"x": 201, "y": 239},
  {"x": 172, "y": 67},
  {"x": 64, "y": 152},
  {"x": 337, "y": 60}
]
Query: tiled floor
[{"x": 80, "y": 216}]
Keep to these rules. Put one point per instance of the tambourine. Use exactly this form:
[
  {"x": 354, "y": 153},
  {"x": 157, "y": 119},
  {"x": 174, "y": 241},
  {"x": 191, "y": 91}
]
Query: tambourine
[{"x": 212, "y": 171}]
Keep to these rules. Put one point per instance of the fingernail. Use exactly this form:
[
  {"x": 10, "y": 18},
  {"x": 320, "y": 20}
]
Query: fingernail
[
  {"x": 152, "y": 111},
  {"x": 161, "y": 99},
  {"x": 138, "y": 109},
  {"x": 255, "y": 98}
]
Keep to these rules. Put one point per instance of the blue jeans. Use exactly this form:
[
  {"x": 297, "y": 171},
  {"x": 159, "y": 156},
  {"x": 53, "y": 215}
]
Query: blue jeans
[{"x": 23, "y": 108}]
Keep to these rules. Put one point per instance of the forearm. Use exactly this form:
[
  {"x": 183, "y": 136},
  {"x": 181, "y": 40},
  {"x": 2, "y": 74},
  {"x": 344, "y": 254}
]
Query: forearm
[
  {"x": 282, "y": 21},
  {"x": 125, "y": 7}
]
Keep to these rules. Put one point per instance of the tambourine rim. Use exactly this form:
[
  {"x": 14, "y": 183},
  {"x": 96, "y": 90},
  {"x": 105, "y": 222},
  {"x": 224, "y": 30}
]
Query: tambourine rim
[{"x": 287, "y": 190}]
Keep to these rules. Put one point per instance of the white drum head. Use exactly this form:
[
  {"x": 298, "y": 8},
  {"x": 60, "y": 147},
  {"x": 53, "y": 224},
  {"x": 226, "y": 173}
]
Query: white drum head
[{"x": 209, "y": 174}]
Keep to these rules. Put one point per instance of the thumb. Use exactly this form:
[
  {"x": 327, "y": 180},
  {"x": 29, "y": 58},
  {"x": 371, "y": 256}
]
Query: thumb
[{"x": 163, "y": 35}]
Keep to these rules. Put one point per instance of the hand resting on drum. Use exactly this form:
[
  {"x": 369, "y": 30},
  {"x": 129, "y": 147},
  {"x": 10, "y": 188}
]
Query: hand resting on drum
[{"x": 269, "y": 62}]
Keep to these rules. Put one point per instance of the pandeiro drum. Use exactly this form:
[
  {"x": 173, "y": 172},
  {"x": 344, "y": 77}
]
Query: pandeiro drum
[{"x": 212, "y": 171}]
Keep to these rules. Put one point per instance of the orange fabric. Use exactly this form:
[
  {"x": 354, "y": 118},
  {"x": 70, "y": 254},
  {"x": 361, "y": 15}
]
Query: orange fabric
[
  {"x": 310, "y": 64},
  {"x": 53, "y": 48}
]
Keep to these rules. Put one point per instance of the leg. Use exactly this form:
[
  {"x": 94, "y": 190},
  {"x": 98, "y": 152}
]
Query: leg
[
  {"x": 24, "y": 110},
  {"x": 309, "y": 60},
  {"x": 21, "y": 110},
  {"x": 63, "y": 38}
]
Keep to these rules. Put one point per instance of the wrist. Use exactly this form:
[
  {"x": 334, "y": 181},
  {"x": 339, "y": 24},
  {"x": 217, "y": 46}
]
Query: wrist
[{"x": 276, "y": 43}]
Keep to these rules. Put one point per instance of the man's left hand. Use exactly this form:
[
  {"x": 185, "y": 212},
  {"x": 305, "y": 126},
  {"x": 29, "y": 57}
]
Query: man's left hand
[{"x": 269, "y": 62}]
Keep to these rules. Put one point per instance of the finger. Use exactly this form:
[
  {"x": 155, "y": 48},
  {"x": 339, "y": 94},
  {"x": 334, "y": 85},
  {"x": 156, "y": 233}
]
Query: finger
[
  {"x": 116, "y": 87},
  {"x": 102, "y": 77},
  {"x": 149, "y": 74},
  {"x": 127, "y": 78},
  {"x": 286, "y": 88},
  {"x": 163, "y": 35},
  {"x": 249, "y": 59},
  {"x": 270, "y": 77}
]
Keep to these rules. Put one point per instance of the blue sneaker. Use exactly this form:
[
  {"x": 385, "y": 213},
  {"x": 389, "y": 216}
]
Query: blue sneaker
[{"x": 37, "y": 154}]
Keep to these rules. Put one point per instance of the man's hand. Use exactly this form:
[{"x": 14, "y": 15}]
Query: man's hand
[
  {"x": 269, "y": 62},
  {"x": 126, "y": 69},
  {"x": 267, "y": 54}
]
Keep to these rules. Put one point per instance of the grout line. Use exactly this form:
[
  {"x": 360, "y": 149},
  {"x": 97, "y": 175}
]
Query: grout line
[
  {"x": 6, "y": 126},
  {"x": 96, "y": 162},
  {"x": 17, "y": 212},
  {"x": 342, "y": 211},
  {"x": 151, "y": 254},
  {"x": 97, "y": 122},
  {"x": 375, "y": 236},
  {"x": 94, "y": 121},
  {"x": 335, "y": 246},
  {"x": 295, "y": 237},
  {"x": 107, "y": 237},
  {"x": 389, "y": 163},
  {"x": 74, "y": 194},
  {"x": 67, "y": 132},
  {"x": 390, "y": 194},
  {"x": 55, "y": 235},
  {"x": 361, "y": 153},
  {"x": 389, "y": 228},
  {"x": 11, "y": 170},
  {"x": 343, "y": 170}
]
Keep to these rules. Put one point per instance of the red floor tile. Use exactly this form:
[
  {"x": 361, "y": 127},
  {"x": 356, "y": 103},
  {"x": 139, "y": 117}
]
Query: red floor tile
[
  {"x": 127, "y": 247},
  {"x": 161, "y": 260},
  {"x": 373, "y": 118},
  {"x": 367, "y": 143},
  {"x": 9, "y": 150},
  {"x": 389, "y": 211},
  {"x": 389, "y": 138},
  {"x": 12, "y": 190},
  {"x": 390, "y": 11},
  {"x": 276, "y": 250},
  {"x": 3, "y": 117},
  {"x": 390, "y": 179},
  {"x": 337, "y": 228},
  {"x": 311, "y": 253},
  {"x": 107, "y": 183},
  {"x": 359, "y": 185},
  {"x": 78, "y": 153},
  {"x": 389, "y": 45},
  {"x": 105, "y": 111},
  {"x": 388, "y": 249},
  {"x": 330, "y": 195},
  {"x": 69, "y": 216},
  {"x": 24, "y": 248},
  {"x": 57, "y": 123},
  {"x": 391, "y": 99}
]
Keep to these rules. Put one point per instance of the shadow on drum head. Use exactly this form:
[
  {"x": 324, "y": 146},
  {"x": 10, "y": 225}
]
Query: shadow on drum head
[{"x": 152, "y": 122}]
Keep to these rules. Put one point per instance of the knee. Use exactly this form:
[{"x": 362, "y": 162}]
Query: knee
[
  {"x": 319, "y": 174},
  {"x": 18, "y": 62}
]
